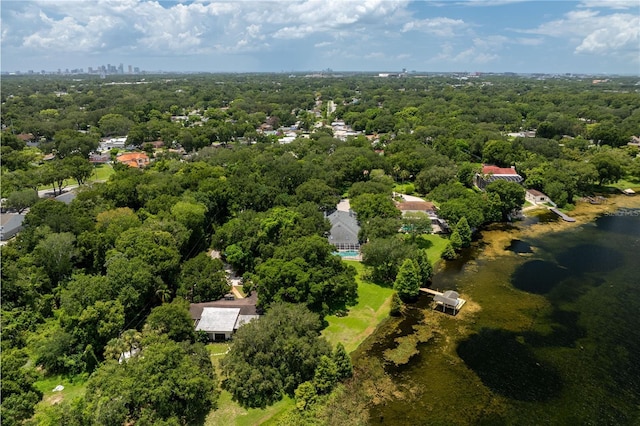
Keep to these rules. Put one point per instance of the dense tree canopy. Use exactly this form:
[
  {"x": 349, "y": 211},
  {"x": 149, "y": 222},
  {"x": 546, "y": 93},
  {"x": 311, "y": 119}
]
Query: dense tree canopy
[
  {"x": 81, "y": 278},
  {"x": 271, "y": 356}
]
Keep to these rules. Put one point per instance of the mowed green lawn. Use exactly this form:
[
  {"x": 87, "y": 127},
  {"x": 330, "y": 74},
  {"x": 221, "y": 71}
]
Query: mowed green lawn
[
  {"x": 230, "y": 413},
  {"x": 101, "y": 173},
  {"x": 363, "y": 318},
  {"x": 434, "y": 244}
]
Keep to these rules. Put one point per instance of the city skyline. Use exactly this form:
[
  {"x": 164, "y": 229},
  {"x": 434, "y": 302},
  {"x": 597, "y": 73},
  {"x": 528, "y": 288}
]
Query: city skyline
[{"x": 578, "y": 37}]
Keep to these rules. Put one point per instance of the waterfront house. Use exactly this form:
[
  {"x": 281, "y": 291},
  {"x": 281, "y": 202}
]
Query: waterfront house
[
  {"x": 491, "y": 173},
  {"x": 344, "y": 230},
  {"x": 536, "y": 197}
]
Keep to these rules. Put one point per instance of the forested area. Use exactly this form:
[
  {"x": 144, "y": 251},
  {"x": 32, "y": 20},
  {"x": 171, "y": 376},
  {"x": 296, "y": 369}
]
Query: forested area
[{"x": 113, "y": 270}]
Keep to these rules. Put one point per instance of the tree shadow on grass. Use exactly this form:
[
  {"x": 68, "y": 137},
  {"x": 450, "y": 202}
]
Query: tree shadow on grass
[
  {"x": 423, "y": 244},
  {"x": 508, "y": 367}
]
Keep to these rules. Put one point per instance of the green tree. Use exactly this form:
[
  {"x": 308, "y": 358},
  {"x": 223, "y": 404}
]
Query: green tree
[
  {"x": 202, "y": 279},
  {"x": 416, "y": 224},
  {"x": 79, "y": 168},
  {"x": 69, "y": 142},
  {"x": 396, "y": 305},
  {"x": 273, "y": 355},
  {"x": 429, "y": 178},
  {"x": 155, "y": 248},
  {"x": 19, "y": 395},
  {"x": 449, "y": 252},
  {"x": 165, "y": 383},
  {"x": 455, "y": 240},
  {"x": 342, "y": 360},
  {"x": 54, "y": 173},
  {"x": 607, "y": 133},
  {"x": 424, "y": 267},
  {"x": 368, "y": 206},
  {"x": 325, "y": 376},
  {"x": 384, "y": 256},
  {"x": 306, "y": 396},
  {"x": 608, "y": 167},
  {"x": 498, "y": 152},
  {"x": 306, "y": 271},
  {"x": 464, "y": 231},
  {"x": 511, "y": 196},
  {"x": 56, "y": 253},
  {"x": 173, "y": 320},
  {"x": 407, "y": 283},
  {"x": 22, "y": 199},
  {"x": 318, "y": 192},
  {"x": 466, "y": 172},
  {"x": 114, "y": 125}
]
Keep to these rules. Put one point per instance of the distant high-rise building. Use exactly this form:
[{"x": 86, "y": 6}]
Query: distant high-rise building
[
  {"x": 120, "y": 69},
  {"x": 130, "y": 69},
  {"x": 136, "y": 70}
]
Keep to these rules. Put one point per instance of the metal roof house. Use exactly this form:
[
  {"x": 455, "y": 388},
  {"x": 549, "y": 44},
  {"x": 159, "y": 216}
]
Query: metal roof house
[
  {"x": 221, "y": 318},
  {"x": 344, "y": 230},
  {"x": 493, "y": 173}
]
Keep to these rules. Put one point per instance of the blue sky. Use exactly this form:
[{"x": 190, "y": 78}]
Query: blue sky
[{"x": 589, "y": 36}]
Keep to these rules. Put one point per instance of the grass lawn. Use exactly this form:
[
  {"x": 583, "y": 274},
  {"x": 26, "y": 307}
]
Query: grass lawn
[
  {"x": 434, "y": 244},
  {"x": 101, "y": 172},
  {"x": 230, "y": 413},
  {"x": 624, "y": 184},
  {"x": 73, "y": 387},
  {"x": 363, "y": 318},
  {"x": 405, "y": 188}
]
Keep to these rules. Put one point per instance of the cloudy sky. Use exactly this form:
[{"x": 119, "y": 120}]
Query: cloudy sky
[{"x": 590, "y": 36}]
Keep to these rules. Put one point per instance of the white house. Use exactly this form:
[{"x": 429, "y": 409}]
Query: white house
[{"x": 536, "y": 197}]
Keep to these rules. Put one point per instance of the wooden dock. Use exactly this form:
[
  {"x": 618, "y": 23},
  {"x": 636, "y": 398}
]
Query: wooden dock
[
  {"x": 562, "y": 215},
  {"x": 431, "y": 292}
]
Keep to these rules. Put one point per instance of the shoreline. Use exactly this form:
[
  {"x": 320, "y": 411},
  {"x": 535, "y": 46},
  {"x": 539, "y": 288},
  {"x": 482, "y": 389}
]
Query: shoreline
[
  {"x": 398, "y": 344},
  {"x": 497, "y": 238}
]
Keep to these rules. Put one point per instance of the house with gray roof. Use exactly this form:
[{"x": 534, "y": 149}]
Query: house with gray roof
[
  {"x": 344, "y": 230},
  {"x": 10, "y": 225}
]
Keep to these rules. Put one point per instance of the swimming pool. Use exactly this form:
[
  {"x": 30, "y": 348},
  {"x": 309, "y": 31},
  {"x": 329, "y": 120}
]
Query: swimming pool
[{"x": 348, "y": 253}]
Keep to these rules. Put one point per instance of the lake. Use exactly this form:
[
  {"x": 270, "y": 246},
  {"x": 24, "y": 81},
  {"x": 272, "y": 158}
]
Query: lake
[{"x": 550, "y": 333}]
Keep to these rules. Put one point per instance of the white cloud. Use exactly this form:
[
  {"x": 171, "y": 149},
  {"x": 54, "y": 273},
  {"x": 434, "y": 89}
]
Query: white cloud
[
  {"x": 610, "y": 4},
  {"x": 594, "y": 33},
  {"x": 528, "y": 41},
  {"x": 482, "y": 50},
  {"x": 440, "y": 27},
  {"x": 189, "y": 27},
  {"x": 489, "y": 2}
]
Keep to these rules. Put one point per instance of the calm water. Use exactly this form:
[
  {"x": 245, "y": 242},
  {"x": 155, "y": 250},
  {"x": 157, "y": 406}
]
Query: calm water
[{"x": 550, "y": 335}]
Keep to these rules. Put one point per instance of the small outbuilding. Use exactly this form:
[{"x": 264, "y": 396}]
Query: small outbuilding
[
  {"x": 449, "y": 299},
  {"x": 536, "y": 197}
]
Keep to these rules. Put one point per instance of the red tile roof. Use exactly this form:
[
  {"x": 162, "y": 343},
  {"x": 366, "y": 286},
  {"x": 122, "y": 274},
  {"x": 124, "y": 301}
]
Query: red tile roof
[
  {"x": 495, "y": 170},
  {"x": 134, "y": 159}
]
